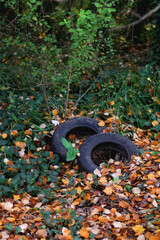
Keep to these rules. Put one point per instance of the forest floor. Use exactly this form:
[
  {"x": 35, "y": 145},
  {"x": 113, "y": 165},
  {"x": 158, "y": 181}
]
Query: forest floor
[{"x": 42, "y": 198}]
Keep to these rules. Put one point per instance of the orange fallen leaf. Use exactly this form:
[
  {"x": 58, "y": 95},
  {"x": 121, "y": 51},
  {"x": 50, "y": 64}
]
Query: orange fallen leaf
[
  {"x": 65, "y": 181},
  {"x": 4, "y": 135},
  {"x": 77, "y": 202},
  {"x": 12, "y": 219},
  {"x": 72, "y": 136},
  {"x": 133, "y": 176},
  {"x": 14, "y": 132},
  {"x": 84, "y": 233},
  {"x": 101, "y": 123},
  {"x": 138, "y": 229},
  {"x": 28, "y": 132},
  {"x": 155, "y": 122},
  {"x": 103, "y": 180},
  {"x": 102, "y": 219},
  {"x": 151, "y": 175},
  {"x": 16, "y": 197},
  {"x": 55, "y": 112},
  {"x": 20, "y": 144},
  {"x": 123, "y": 204},
  {"x": 108, "y": 190}
]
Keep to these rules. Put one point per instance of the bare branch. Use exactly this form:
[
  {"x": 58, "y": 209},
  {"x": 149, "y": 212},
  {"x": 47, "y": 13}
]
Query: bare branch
[{"x": 139, "y": 20}]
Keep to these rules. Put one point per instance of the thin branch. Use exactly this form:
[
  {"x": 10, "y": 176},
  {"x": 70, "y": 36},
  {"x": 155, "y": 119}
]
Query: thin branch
[{"x": 139, "y": 20}]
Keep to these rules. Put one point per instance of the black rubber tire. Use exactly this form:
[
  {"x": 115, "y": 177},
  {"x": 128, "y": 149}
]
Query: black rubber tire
[
  {"x": 77, "y": 125},
  {"x": 110, "y": 143}
]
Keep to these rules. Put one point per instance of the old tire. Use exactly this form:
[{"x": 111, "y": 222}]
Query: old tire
[
  {"x": 77, "y": 125},
  {"x": 110, "y": 145}
]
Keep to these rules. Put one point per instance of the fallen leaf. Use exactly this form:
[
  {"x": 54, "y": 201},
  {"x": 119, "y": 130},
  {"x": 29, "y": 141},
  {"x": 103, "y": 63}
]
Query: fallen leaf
[
  {"x": 117, "y": 224},
  {"x": 23, "y": 226},
  {"x": 65, "y": 181},
  {"x": 4, "y": 135},
  {"x": 28, "y": 132},
  {"x": 123, "y": 204},
  {"x": 136, "y": 190},
  {"x": 141, "y": 237},
  {"x": 16, "y": 197},
  {"x": 20, "y": 144},
  {"x": 42, "y": 233},
  {"x": 97, "y": 172},
  {"x": 108, "y": 190},
  {"x": 155, "y": 122},
  {"x": 101, "y": 123},
  {"x": 55, "y": 112},
  {"x": 84, "y": 233},
  {"x": 14, "y": 132},
  {"x": 138, "y": 229},
  {"x": 103, "y": 180},
  {"x": 7, "y": 205},
  {"x": 43, "y": 125},
  {"x": 133, "y": 176}
]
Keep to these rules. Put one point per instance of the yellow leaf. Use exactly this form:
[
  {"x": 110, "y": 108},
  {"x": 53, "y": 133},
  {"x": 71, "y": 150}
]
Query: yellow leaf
[
  {"x": 12, "y": 219},
  {"x": 16, "y": 197},
  {"x": 151, "y": 175},
  {"x": 103, "y": 180},
  {"x": 14, "y": 132},
  {"x": 55, "y": 112},
  {"x": 138, "y": 229},
  {"x": 20, "y": 144},
  {"x": 65, "y": 181},
  {"x": 101, "y": 123},
  {"x": 4, "y": 135},
  {"x": 84, "y": 233},
  {"x": 79, "y": 190},
  {"x": 108, "y": 190},
  {"x": 155, "y": 122}
]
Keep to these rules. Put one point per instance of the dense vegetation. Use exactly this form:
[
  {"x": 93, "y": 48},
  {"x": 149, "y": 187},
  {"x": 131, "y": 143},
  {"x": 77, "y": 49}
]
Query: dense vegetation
[{"x": 61, "y": 59}]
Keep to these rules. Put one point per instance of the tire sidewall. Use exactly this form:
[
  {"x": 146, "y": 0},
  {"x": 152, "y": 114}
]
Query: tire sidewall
[
  {"x": 63, "y": 129},
  {"x": 85, "y": 161}
]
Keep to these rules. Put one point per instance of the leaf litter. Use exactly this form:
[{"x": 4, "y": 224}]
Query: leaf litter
[{"x": 121, "y": 201}]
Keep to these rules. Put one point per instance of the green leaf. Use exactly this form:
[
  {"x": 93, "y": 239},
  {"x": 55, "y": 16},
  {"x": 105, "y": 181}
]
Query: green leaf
[
  {"x": 128, "y": 188},
  {"x": 71, "y": 154},
  {"x": 66, "y": 143},
  {"x": 9, "y": 226},
  {"x": 18, "y": 230}
]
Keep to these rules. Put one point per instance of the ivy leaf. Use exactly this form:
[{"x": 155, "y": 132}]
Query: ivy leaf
[
  {"x": 9, "y": 226},
  {"x": 72, "y": 152}
]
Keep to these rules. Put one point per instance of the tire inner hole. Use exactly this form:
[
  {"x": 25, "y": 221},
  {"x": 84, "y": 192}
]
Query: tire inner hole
[
  {"x": 79, "y": 134},
  {"x": 102, "y": 153}
]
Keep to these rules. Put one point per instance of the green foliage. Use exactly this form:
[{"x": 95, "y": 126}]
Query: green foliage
[{"x": 72, "y": 152}]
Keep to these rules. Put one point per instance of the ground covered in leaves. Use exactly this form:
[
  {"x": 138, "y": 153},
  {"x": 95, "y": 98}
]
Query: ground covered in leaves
[{"x": 42, "y": 198}]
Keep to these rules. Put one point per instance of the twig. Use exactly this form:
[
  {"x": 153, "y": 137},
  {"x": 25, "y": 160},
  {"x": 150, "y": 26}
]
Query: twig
[{"x": 139, "y": 20}]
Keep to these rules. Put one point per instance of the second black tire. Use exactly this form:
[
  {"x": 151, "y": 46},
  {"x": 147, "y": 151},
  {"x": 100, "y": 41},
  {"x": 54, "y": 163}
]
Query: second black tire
[
  {"x": 101, "y": 148},
  {"x": 78, "y": 125}
]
